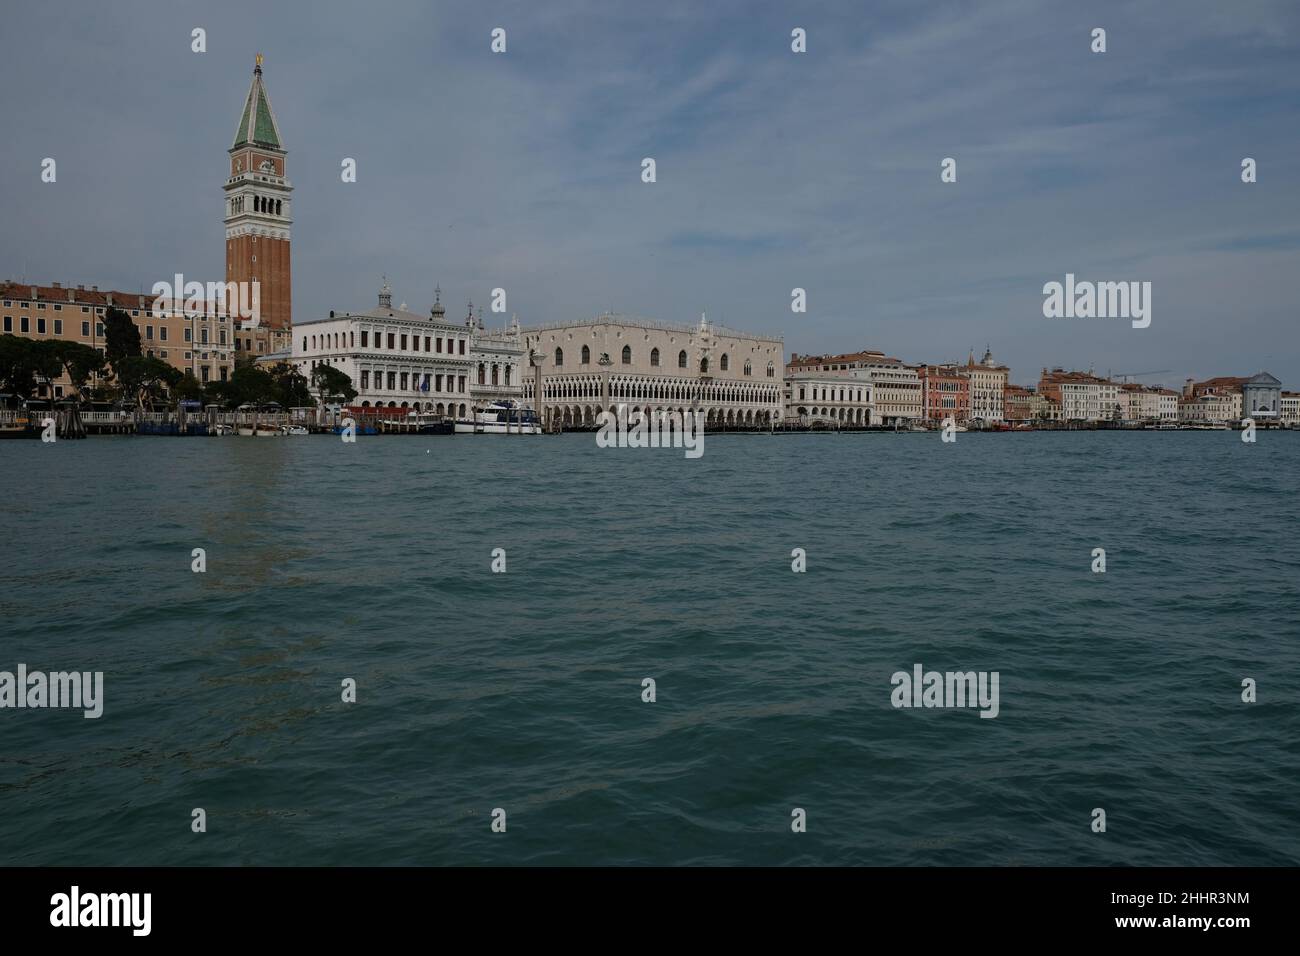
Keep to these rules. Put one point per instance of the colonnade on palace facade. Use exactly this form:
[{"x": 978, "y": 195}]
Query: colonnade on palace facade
[
  {"x": 854, "y": 415},
  {"x": 574, "y": 401}
]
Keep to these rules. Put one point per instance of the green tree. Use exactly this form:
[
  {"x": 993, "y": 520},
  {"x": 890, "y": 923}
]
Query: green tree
[
  {"x": 46, "y": 363},
  {"x": 334, "y": 386},
  {"x": 17, "y": 366},
  {"x": 144, "y": 378},
  {"x": 219, "y": 393},
  {"x": 80, "y": 363},
  {"x": 291, "y": 386},
  {"x": 121, "y": 337},
  {"x": 250, "y": 385},
  {"x": 188, "y": 387}
]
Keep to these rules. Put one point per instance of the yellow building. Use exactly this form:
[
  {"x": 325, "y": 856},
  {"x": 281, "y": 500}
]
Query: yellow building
[{"x": 202, "y": 345}]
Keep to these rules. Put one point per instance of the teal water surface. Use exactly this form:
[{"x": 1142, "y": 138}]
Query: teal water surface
[{"x": 523, "y": 690}]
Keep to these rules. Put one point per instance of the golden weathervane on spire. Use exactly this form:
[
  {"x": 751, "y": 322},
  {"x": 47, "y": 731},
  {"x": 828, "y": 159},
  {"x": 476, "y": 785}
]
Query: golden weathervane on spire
[{"x": 259, "y": 59}]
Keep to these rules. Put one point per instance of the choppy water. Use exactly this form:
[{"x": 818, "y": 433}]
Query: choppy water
[{"x": 523, "y": 690}]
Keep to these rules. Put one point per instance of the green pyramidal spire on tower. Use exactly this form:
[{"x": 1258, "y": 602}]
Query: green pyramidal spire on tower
[{"x": 257, "y": 125}]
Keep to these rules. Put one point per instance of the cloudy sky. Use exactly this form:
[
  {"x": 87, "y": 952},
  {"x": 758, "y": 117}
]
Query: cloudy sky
[{"x": 775, "y": 169}]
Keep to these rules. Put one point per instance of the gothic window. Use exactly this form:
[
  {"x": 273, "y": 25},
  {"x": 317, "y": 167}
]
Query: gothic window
[
  {"x": 704, "y": 366},
  {"x": 681, "y": 359},
  {"x": 559, "y": 356},
  {"x": 723, "y": 363},
  {"x": 654, "y": 357},
  {"x": 749, "y": 368},
  {"x": 627, "y": 355},
  {"x": 586, "y": 355}
]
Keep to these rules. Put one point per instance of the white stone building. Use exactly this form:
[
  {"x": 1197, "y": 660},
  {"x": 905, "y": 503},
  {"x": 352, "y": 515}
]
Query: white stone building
[
  {"x": 1144, "y": 403},
  {"x": 988, "y": 386},
  {"x": 500, "y": 364},
  {"x": 895, "y": 388},
  {"x": 812, "y": 397},
  {"x": 1290, "y": 409},
  {"x": 733, "y": 377},
  {"x": 1083, "y": 397},
  {"x": 1211, "y": 407},
  {"x": 395, "y": 358}
]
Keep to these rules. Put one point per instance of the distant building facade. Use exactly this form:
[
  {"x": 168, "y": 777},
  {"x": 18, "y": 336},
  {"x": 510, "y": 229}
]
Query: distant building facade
[
  {"x": 1144, "y": 403},
  {"x": 733, "y": 377},
  {"x": 201, "y": 345},
  {"x": 1082, "y": 396},
  {"x": 945, "y": 393},
  {"x": 988, "y": 385},
  {"x": 1261, "y": 398},
  {"x": 1213, "y": 400},
  {"x": 1023, "y": 405},
  {"x": 395, "y": 358},
  {"x": 812, "y": 397},
  {"x": 1289, "y": 405},
  {"x": 895, "y": 388}
]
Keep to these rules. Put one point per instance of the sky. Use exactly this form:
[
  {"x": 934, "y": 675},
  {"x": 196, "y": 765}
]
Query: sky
[{"x": 775, "y": 170}]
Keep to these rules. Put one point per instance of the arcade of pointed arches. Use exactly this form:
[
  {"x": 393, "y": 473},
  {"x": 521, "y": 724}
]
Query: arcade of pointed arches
[{"x": 574, "y": 401}]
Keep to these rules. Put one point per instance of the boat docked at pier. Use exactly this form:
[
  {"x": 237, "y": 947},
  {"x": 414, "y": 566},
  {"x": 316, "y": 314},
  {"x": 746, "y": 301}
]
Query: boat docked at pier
[{"x": 501, "y": 418}]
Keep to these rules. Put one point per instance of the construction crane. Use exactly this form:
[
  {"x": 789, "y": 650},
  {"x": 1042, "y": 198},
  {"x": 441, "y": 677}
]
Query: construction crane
[{"x": 1128, "y": 375}]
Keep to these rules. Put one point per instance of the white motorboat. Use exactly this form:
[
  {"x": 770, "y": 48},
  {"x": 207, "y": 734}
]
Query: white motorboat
[{"x": 501, "y": 418}]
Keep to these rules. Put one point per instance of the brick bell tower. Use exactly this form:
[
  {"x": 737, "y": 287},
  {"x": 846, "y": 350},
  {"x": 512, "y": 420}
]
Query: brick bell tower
[{"x": 259, "y": 220}]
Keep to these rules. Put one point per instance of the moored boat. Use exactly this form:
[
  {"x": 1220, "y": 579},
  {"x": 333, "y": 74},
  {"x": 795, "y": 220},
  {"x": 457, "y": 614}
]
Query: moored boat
[{"x": 501, "y": 418}]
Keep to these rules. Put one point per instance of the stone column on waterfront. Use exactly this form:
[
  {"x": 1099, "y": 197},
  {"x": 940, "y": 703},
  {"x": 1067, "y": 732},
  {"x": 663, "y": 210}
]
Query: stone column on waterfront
[
  {"x": 605, "y": 363},
  {"x": 535, "y": 357},
  {"x": 705, "y": 369}
]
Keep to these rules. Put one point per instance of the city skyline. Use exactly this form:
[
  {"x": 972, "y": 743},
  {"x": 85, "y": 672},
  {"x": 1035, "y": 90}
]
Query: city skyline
[{"x": 523, "y": 171}]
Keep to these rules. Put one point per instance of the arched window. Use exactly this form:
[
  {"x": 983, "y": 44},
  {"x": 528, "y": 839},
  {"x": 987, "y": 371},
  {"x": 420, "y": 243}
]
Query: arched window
[
  {"x": 704, "y": 366},
  {"x": 586, "y": 355},
  {"x": 749, "y": 367},
  {"x": 277, "y": 206},
  {"x": 681, "y": 359},
  {"x": 723, "y": 363},
  {"x": 559, "y": 356},
  {"x": 654, "y": 357},
  {"x": 769, "y": 369},
  {"x": 627, "y": 355},
  {"x": 482, "y": 373},
  {"x": 495, "y": 375}
]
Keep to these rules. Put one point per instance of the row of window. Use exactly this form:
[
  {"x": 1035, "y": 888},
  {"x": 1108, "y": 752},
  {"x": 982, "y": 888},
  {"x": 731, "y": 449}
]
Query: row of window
[
  {"x": 855, "y": 395},
  {"x": 99, "y": 310},
  {"x": 724, "y": 362},
  {"x": 397, "y": 342},
  {"x": 24, "y": 325},
  {"x": 413, "y": 381}
]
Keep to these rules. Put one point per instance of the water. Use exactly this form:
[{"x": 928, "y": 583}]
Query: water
[{"x": 523, "y": 690}]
